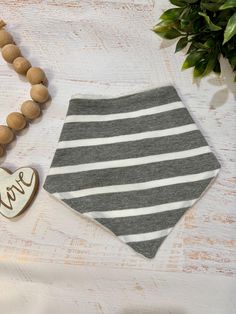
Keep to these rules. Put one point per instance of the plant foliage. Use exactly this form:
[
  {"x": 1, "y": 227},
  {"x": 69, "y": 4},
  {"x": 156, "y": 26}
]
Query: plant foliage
[{"x": 206, "y": 27}]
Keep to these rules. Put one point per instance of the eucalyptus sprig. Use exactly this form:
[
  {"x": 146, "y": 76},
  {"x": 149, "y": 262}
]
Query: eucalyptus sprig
[{"x": 207, "y": 28}]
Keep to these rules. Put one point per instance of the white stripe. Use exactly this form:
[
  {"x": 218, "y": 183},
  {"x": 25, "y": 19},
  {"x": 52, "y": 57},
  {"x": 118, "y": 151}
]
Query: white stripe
[
  {"x": 140, "y": 211},
  {"x": 130, "y": 161},
  {"x": 145, "y": 236},
  {"x": 127, "y": 138},
  {"x": 137, "y": 186},
  {"x": 124, "y": 115}
]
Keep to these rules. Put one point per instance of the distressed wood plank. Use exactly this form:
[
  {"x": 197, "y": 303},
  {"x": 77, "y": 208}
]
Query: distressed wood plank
[
  {"x": 107, "y": 47},
  {"x": 69, "y": 289}
]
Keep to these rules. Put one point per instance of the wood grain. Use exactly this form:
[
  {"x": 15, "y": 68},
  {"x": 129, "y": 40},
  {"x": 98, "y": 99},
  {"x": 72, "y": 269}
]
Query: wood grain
[
  {"x": 108, "y": 47},
  {"x": 59, "y": 289}
]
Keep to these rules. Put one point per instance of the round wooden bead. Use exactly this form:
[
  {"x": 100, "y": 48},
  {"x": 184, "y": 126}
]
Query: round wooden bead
[
  {"x": 2, "y": 151},
  {"x": 30, "y": 110},
  {"x": 21, "y": 65},
  {"x": 6, "y": 135},
  {"x": 10, "y": 52},
  {"x": 16, "y": 121},
  {"x": 39, "y": 93},
  {"x": 36, "y": 75},
  {"x": 5, "y": 38}
]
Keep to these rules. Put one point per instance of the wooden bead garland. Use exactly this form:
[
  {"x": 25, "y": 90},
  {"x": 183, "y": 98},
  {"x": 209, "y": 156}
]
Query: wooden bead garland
[
  {"x": 39, "y": 93},
  {"x": 21, "y": 65},
  {"x": 10, "y": 52},
  {"x": 30, "y": 109},
  {"x": 36, "y": 75},
  {"x": 16, "y": 121},
  {"x": 6, "y": 135},
  {"x": 5, "y": 38}
]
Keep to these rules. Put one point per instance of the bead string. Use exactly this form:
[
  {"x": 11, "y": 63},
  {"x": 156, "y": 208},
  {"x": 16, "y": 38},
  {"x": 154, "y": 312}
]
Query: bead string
[{"x": 30, "y": 109}]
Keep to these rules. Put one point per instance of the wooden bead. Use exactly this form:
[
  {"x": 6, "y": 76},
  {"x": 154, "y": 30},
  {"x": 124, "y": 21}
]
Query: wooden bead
[
  {"x": 39, "y": 93},
  {"x": 10, "y": 53},
  {"x": 21, "y": 65},
  {"x": 30, "y": 110},
  {"x": 2, "y": 151},
  {"x": 36, "y": 75},
  {"x": 6, "y": 135},
  {"x": 2, "y": 24},
  {"x": 5, "y": 38},
  {"x": 16, "y": 121}
]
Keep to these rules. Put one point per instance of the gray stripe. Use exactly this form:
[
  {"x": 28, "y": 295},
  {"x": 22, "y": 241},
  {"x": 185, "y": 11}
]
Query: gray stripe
[
  {"x": 143, "y": 223},
  {"x": 147, "y": 248},
  {"x": 152, "y": 146},
  {"x": 155, "y": 97},
  {"x": 131, "y": 174},
  {"x": 160, "y": 121},
  {"x": 138, "y": 199}
]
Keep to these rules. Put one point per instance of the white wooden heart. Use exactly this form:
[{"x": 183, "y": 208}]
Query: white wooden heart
[{"x": 17, "y": 190}]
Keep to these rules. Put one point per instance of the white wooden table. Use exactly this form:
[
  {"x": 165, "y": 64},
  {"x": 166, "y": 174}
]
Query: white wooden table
[{"x": 51, "y": 259}]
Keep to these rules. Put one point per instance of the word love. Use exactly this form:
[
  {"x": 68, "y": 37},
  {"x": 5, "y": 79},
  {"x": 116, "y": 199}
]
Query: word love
[{"x": 17, "y": 190}]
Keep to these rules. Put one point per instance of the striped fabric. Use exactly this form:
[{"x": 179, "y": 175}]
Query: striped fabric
[{"x": 135, "y": 164}]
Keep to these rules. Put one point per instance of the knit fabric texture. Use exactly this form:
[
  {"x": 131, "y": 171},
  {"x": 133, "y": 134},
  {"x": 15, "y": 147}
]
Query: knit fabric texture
[{"x": 135, "y": 164}]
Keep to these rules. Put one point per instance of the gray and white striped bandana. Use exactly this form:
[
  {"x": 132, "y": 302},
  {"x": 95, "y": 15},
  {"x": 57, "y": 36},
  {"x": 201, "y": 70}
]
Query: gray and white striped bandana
[{"x": 135, "y": 164}]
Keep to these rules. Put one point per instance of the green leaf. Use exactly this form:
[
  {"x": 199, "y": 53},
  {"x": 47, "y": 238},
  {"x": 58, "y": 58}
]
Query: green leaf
[
  {"x": 178, "y": 3},
  {"x": 232, "y": 60},
  {"x": 211, "y": 25},
  {"x": 199, "y": 69},
  {"x": 166, "y": 30},
  {"x": 228, "y": 4},
  {"x": 217, "y": 68},
  {"x": 170, "y": 34},
  {"x": 213, "y": 7},
  {"x": 171, "y": 14},
  {"x": 197, "y": 24},
  {"x": 191, "y": 48},
  {"x": 192, "y": 1},
  {"x": 210, "y": 43},
  {"x": 185, "y": 13},
  {"x": 161, "y": 27},
  {"x": 231, "y": 44},
  {"x": 192, "y": 59},
  {"x": 230, "y": 30},
  {"x": 223, "y": 17},
  {"x": 204, "y": 67},
  {"x": 184, "y": 25},
  {"x": 210, "y": 66},
  {"x": 181, "y": 44}
]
